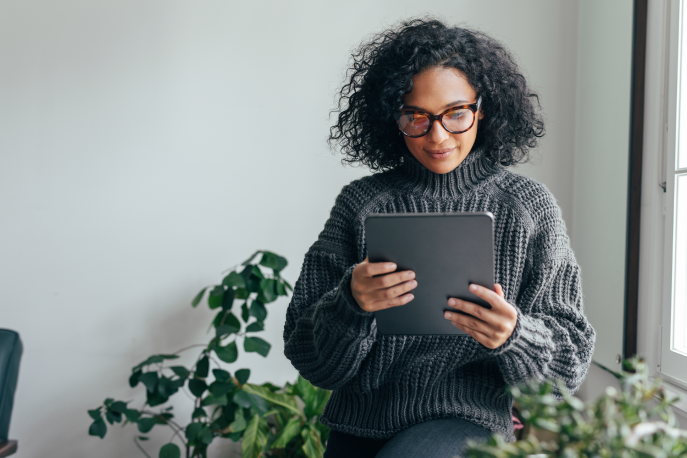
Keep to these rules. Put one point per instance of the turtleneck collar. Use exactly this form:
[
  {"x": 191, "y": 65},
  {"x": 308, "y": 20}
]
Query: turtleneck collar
[{"x": 415, "y": 177}]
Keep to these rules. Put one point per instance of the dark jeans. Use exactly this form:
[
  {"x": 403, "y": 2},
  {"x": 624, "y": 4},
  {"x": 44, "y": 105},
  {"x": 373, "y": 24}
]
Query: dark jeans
[{"x": 445, "y": 438}]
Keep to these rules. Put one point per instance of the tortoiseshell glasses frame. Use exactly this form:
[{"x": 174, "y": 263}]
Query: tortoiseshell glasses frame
[{"x": 410, "y": 114}]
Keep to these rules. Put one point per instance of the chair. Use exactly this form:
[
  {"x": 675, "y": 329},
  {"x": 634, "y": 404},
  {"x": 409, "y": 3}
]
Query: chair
[{"x": 10, "y": 354}]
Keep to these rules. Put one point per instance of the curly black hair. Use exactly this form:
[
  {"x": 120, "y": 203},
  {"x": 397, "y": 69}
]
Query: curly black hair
[{"x": 381, "y": 73}]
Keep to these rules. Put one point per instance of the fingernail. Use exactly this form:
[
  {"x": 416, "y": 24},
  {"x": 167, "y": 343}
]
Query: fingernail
[
  {"x": 413, "y": 284},
  {"x": 447, "y": 315},
  {"x": 410, "y": 274},
  {"x": 451, "y": 302},
  {"x": 473, "y": 287},
  {"x": 391, "y": 265}
]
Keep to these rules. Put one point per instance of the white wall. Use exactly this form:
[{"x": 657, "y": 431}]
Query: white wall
[
  {"x": 137, "y": 162},
  {"x": 601, "y": 167}
]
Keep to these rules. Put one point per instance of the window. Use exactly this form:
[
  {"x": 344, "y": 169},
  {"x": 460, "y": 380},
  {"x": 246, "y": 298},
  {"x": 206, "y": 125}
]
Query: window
[{"x": 674, "y": 329}]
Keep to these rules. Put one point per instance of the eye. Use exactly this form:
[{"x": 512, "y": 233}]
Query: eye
[{"x": 458, "y": 113}]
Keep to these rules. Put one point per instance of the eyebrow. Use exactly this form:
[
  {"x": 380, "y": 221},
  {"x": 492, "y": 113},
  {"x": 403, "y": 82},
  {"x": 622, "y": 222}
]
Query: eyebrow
[{"x": 457, "y": 102}]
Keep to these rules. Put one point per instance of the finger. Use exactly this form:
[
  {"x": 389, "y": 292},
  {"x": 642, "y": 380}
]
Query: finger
[
  {"x": 372, "y": 269},
  {"x": 471, "y": 308},
  {"x": 498, "y": 290},
  {"x": 469, "y": 322},
  {"x": 395, "y": 302},
  {"x": 488, "y": 295},
  {"x": 392, "y": 279},
  {"x": 395, "y": 291},
  {"x": 478, "y": 336}
]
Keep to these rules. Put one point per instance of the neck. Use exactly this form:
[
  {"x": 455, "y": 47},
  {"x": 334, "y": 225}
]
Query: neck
[{"x": 469, "y": 174}]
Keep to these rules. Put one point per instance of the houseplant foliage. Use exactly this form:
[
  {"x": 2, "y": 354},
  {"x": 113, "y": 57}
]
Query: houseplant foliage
[
  {"x": 269, "y": 420},
  {"x": 634, "y": 422}
]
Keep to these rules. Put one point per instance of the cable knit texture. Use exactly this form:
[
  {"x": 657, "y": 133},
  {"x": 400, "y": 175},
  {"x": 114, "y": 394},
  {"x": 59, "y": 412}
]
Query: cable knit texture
[{"x": 383, "y": 384}]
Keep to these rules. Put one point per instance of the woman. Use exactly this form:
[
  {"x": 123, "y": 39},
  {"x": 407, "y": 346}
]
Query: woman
[{"x": 439, "y": 113}]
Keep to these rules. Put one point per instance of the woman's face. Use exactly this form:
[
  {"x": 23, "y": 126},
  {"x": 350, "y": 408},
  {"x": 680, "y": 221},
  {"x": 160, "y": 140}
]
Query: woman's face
[{"x": 435, "y": 90}]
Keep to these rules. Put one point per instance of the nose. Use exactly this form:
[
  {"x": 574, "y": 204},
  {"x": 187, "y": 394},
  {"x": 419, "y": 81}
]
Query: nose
[{"x": 437, "y": 133}]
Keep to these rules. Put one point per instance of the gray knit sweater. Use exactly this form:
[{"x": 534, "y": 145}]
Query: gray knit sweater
[{"x": 383, "y": 384}]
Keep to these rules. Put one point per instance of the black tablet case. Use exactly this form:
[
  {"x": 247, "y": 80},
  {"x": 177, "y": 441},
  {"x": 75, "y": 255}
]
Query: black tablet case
[{"x": 447, "y": 252}]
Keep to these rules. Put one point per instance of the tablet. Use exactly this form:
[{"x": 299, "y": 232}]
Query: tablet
[{"x": 447, "y": 252}]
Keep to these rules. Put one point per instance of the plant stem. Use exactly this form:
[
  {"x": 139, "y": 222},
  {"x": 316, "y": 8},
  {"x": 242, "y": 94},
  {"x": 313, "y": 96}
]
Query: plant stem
[
  {"x": 173, "y": 426},
  {"x": 141, "y": 448},
  {"x": 189, "y": 347}
]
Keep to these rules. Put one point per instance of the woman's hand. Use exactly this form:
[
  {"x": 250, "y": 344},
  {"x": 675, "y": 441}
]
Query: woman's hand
[
  {"x": 373, "y": 290},
  {"x": 492, "y": 327}
]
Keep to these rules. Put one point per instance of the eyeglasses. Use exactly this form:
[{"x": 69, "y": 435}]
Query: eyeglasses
[{"x": 456, "y": 120}]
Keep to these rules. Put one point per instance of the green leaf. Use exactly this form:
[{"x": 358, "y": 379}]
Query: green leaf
[
  {"x": 242, "y": 375},
  {"x": 249, "y": 400},
  {"x": 280, "y": 289},
  {"x": 273, "y": 261},
  {"x": 268, "y": 290},
  {"x": 198, "y": 412},
  {"x": 155, "y": 359},
  {"x": 118, "y": 407},
  {"x": 282, "y": 399},
  {"x": 215, "y": 297},
  {"x": 170, "y": 451},
  {"x": 228, "y": 353},
  {"x": 232, "y": 325},
  {"x": 108, "y": 402},
  {"x": 203, "y": 367},
  {"x": 199, "y": 296},
  {"x": 289, "y": 287},
  {"x": 221, "y": 375},
  {"x": 134, "y": 379},
  {"x": 215, "y": 400},
  {"x": 146, "y": 424},
  {"x": 98, "y": 428},
  {"x": 254, "y": 438},
  {"x": 247, "y": 261},
  {"x": 205, "y": 435},
  {"x": 197, "y": 387},
  {"x": 132, "y": 415},
  {"x": 149, "y": 379},
  {"x": 312, "y": 446},
  {"x": 245, "y": 314},
  {"x": 95, "y": 413},
  {"x": 192, "y": 430},
  {"x": 234, "y": 280},
  {"x": 257, "y": 309},
  {"x": 155, "y": 399},
  {"x": 239, "y": 423},
  {"x": 241, "y": 293},
  {"x": 113, "y": 417},
  {"x": 256, "y": 326},
  {"x": 228, "y": 299},
  {"x": 166, "y": 387},
  {"x": 252, "y": 276},
  {"x": 220, "y": 388},
  {"x": 143, "y": 438},
  {"x": 291, "y": 430},
  {"x": 181, "y": 371},
  {"x": 257, "y": 345}
]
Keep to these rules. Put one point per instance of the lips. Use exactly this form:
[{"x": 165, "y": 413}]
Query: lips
[{"x": 439, "y": 153}]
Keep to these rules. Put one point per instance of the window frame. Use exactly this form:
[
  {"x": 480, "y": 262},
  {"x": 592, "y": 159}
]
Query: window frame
[{"x": 672, "y": 365}]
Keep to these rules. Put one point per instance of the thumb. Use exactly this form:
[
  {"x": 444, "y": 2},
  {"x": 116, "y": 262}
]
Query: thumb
[{"x": 498, "y": 290}]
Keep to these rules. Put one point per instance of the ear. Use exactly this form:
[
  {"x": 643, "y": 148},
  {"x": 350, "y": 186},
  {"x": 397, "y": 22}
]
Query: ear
[{"x": 480, "y": 115}]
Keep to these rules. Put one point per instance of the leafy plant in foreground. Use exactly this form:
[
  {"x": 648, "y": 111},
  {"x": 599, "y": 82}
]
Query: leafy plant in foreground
[
  {"x": 269, "y": 420},
  {"x": 634, "y": 422}
]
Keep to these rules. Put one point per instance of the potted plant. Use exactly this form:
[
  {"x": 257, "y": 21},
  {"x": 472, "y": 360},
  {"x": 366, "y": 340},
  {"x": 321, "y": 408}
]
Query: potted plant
[
  {"x": 636, "y": 421},
  {"x": 269, "y": 420}
]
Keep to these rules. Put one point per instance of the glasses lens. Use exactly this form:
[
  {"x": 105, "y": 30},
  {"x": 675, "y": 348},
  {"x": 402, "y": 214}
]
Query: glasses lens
[
  {"x": 458, "y": 120},
  {"x": 413, "y": 123}
]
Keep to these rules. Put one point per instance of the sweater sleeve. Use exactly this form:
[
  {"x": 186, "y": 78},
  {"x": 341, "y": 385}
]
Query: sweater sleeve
[
  {"x": 552, "y": 338},
  {"x": 326, "y": 334}
]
